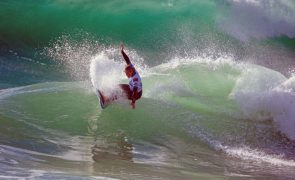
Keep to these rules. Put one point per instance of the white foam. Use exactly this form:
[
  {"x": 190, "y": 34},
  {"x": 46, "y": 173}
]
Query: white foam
[
  {"x": 263, "y": 94},
  {"x": 211, "y": 62},
  {"x": 259, "y": 19},
  {"x": 259, "y": 156},
  {"x": 4, "y": 93},
  {"x": 243, "y": 152}
]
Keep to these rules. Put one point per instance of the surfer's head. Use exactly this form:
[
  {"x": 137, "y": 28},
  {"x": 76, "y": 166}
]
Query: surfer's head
[{"x": 129, "y": 70}]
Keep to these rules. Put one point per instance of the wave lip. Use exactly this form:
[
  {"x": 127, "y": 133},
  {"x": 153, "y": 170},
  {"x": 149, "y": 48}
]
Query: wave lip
[
  {"x": 263, "y": 94},
  {"x": 259, "y": 19}
]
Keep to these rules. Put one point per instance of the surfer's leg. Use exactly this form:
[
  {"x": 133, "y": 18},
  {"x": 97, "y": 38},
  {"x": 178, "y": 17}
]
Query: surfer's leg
[
  {"x": 127, "y": 93},
  {"x": 139, "y": 94},
  {"x": 126, "y": 90}
]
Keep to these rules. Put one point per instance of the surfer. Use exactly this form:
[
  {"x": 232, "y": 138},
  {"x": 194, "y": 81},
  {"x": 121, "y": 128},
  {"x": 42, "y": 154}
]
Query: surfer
[{"x": 132, "y": 90}]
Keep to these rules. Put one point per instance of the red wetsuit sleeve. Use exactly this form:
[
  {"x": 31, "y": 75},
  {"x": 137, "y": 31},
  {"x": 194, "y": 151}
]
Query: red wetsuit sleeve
[{"x": 126, "y": 58}]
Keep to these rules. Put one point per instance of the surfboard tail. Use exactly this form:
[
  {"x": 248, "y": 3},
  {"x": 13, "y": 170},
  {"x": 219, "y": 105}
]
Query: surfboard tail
[{"x": 102, "y": 99}]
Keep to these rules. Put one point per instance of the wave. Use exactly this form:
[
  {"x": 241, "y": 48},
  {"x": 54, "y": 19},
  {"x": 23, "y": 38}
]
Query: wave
[
  {"x": 227, "y": 105},
  {"x": 205, "y": 105},
  {"x": 259, "y": 19}
]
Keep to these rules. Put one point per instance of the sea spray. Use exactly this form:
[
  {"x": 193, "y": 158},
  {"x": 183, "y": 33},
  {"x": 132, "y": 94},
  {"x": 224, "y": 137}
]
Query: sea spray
[{"x": 105, "y": 73}]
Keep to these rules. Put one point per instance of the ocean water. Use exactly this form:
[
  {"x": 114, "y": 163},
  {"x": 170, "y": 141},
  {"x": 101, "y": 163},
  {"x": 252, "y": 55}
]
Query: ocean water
[{"x": 218, "y": 89}]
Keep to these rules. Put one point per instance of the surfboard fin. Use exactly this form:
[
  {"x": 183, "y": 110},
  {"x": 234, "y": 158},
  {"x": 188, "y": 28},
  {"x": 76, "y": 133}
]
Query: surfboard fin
[{"x": 102, "y": 100}]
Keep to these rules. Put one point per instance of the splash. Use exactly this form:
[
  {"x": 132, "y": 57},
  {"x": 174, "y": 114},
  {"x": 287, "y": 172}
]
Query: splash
[
  {"x": 105, "y": 73},
  {"x": 74, "y": 56},
  {"x": 264, "y": 94}
]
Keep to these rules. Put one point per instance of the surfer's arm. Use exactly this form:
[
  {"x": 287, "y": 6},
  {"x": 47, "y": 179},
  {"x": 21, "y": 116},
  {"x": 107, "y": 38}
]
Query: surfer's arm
[{"x": 126, "y": 58}]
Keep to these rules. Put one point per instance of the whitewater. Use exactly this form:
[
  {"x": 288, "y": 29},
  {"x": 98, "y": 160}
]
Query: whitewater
[{"x": 218, "y": 90}]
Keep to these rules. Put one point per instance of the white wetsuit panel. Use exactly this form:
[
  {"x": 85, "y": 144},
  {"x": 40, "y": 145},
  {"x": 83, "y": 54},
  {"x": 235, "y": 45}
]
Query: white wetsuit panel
[{"x": 135, "y": 81}]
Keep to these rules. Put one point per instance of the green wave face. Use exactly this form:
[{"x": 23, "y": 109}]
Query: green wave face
[
  {"x": 151, "y": 24},
  {"x": 58, "y": 105},
  {"x": 198, "y": 93},
  {"x": 157, "y": 30}
]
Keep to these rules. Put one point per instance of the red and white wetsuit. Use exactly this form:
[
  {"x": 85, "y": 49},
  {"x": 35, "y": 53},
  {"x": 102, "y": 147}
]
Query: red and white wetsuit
[{"x": 135, "y": 81}]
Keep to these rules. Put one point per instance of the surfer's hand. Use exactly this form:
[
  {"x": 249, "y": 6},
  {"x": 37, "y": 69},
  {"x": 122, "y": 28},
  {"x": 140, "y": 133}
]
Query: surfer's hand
[{"x": 133, "y": 105}]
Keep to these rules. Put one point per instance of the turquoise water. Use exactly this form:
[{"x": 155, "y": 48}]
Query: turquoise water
[{"x": 218, "y": 99}]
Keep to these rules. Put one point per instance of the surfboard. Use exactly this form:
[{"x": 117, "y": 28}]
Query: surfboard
[{"x": 101, "y": 98}]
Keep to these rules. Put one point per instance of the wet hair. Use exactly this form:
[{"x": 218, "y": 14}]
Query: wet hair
[{"x": 129, "y": 67}]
